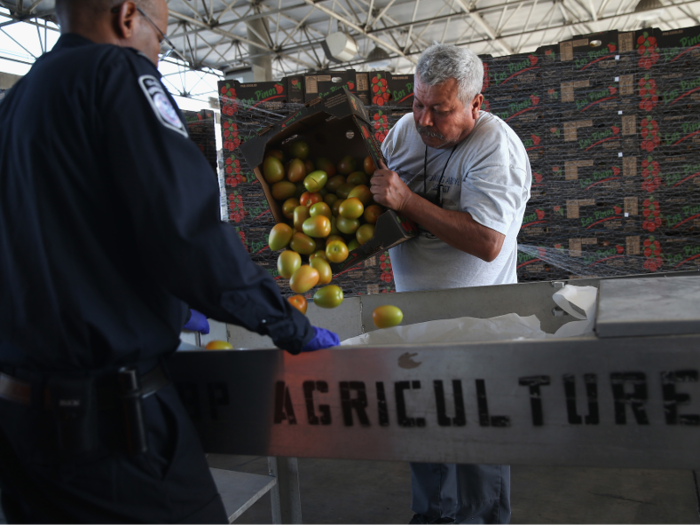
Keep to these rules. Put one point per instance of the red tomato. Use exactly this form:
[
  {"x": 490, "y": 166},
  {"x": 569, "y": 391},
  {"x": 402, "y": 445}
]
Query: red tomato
[
  {"x": 308, "y": 199},
  {"x": 298, "y": 302}
]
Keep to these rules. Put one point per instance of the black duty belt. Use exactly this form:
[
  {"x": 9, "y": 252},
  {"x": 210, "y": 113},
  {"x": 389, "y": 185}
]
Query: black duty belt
[{"x": 19, "y": 391}]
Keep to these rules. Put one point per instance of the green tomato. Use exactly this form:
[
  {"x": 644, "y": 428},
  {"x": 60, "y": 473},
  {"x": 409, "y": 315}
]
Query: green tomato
[
  {"x": 315, "y": 180},
  {"x": 329, "y": 296},
  {"x": 387, "y": 316}
]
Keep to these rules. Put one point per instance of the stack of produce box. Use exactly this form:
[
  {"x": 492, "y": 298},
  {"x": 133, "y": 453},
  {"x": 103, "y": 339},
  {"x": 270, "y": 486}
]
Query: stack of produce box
[{"x": 669, "y": 127}]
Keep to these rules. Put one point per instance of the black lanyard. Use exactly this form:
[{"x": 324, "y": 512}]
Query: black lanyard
[{"x": 425, "y": 176}]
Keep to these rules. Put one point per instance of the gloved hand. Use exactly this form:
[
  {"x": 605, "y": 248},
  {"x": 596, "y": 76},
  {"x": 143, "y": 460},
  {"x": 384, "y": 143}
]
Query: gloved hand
[
  {"x": 197, "y": 323},
  {"x": 323, "y": 339}
]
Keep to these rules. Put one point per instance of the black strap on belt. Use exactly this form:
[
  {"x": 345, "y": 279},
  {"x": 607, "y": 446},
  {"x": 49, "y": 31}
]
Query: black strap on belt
[
  {"x": 19, "y": 391},
  {"x": 74, "y": 404}
]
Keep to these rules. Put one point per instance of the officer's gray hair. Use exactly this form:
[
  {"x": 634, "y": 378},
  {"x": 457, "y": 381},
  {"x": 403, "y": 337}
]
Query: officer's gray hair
[{"x": 441, "y": 62}]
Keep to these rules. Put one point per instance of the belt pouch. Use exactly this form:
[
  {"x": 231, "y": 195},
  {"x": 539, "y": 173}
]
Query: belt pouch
[
  {"x": 74, "y": 408},
  {"x": 130, "y": 390}
]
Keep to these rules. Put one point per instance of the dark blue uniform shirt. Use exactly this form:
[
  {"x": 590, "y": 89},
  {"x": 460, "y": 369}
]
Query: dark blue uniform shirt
[{"x": 109, "y": 220}]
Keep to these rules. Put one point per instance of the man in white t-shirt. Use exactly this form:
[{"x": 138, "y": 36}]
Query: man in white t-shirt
[{"x": 464, "y": 176}]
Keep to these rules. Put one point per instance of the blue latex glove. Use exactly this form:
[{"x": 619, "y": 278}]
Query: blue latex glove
[
  {"x": 197, "y": 323},
  {"x": 323, "y": 339}
]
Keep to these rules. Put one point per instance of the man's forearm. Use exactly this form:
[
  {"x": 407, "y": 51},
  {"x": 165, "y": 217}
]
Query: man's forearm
[{"x": 456, "y": 228}]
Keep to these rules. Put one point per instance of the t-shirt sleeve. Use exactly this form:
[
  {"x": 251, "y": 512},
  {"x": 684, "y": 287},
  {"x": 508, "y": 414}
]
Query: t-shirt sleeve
[
  {"x": 171, "y": 203},
  {"x": 495, "y": 188}
]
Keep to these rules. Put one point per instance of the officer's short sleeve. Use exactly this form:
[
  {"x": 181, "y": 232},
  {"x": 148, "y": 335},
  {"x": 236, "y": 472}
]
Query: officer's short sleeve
[
  {"x": 496, "y": 187},
  {"x": 171, "y": 203}
]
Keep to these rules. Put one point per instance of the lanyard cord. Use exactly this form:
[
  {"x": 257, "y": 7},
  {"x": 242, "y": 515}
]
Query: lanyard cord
[{"x": 425, "y": 174}]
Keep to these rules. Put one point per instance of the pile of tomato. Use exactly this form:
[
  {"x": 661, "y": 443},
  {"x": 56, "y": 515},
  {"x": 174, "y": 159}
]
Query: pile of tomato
[{"x": 329, "y": 212}]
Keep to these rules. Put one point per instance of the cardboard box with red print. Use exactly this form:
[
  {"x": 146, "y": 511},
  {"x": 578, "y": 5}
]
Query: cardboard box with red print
[
  {"x": 333, "y": 127},
  {"x": 401, "y": 89},
  {"x": 324, "y": 84}
]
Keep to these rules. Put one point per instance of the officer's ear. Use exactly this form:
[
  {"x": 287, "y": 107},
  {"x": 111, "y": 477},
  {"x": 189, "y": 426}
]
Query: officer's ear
[{"x": 123, "y": 21}]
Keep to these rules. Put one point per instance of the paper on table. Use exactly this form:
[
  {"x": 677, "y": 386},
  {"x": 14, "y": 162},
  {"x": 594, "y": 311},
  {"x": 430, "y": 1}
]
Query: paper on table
[
  {"x": 578, "y": 301},
  {"x": 462, "y": 329}
]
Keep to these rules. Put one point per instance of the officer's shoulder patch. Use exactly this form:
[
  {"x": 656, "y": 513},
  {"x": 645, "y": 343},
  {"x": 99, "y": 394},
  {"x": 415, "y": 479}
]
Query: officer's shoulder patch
[{"x": 161, "y": 104}]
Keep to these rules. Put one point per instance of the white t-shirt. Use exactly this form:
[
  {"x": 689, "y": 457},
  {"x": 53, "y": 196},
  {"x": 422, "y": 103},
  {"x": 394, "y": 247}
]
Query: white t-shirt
[{"x": 488, "y": 175}]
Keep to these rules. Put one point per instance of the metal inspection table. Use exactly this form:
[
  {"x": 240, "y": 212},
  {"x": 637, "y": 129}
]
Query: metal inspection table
[{"x": 625, "y": 396}]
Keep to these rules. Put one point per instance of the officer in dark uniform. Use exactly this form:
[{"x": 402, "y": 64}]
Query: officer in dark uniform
[{"x": 109, "y": 228}]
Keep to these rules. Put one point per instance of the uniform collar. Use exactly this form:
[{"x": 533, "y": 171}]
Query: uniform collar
[{"x": 69, "y": 40}]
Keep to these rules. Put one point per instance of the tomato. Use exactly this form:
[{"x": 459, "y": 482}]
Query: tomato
[
  {"x": 325, "y": 275},
  {"x": 304, "y": 279},
  {"x": 319, "y": 226},
  {"x": 298, "y": 302},
  {"x": 335, "y": 208},
  {"x": 320, "y": 208},
  {"x": 299, "y": 149},
  {"x": 361, "y": 192},
  {"x": 219, "y": 345},
  {"x": 357, "y": 177},
  {"x": 283, "y": 190},
  {"x": 288, "y": 207},
  {"x": 336, "y": 251},
  {"x": 344, "y": 190},
  {"x": 315, "y": 180},
  {"x": 347, "y": 225},
  {"x": 368, "y": 166},
  {"x": 328, "y": 296},
  {"x": 302, "y": 243},
  {"x": 273, "y": 170},
  {"x": 364, "y": 233},
  {"x": 353, "y": 244},
  {"x": 308, "y": 199},
  {"x": 300, "y": 190},
  {"x": 387, "y": 316},
  {"x": 351, "y": 208},
  {"x": 335, "y": 182},
  {"x": 280, "y": 235},
  {"x": 330, "y": 199},
  {"x": 334, "y": 237},
  {"x": 288, "y": 262},
  {"x": 309, "y": 165},
  {"x": 318, "y": 253},
  {"x": 275, "y": 153},
  {"x": 296, "y": 170},
  {"x": 346, "y": 165},
  {"x": 326, "y": 165},
  {"x": 334, "y": 226},
  {"x": 301, "y": 213},
  {"x": 372, "y": 213}
]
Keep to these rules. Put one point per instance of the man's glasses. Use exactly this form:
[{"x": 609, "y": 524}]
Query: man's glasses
[{"x": 166, "y": 46}]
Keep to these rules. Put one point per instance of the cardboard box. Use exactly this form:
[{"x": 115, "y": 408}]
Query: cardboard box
[
  {"x": 593, "y": 177},
  {"x": 295, "y": 89},
  {"x": 514, "y": 72},
  {"x": 680, "y": 47},
  {"x": 265, "y": 95},
  {"x": 593, "y": 135},
  {"x": 605, "y": 255},
  {"x": 674, "y": 172},
  {"x": 669, "y": 133},
  {"x": 541, "y": 266},
  {"x": 324, "y": 84},
  {"x": 598, "y": 52},
  {"x": 677, "y": 253},
  {"x": 517, "y": 109},
  {"x": 401, "y": 89},
  {"x": 334, "y": 126},
  {"x": 602, "y": 215}
]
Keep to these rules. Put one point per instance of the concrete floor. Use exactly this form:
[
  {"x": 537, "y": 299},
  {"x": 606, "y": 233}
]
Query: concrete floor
[
  {"x": 337, "y": 491},
  {"x": 340, "y": 491}
]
